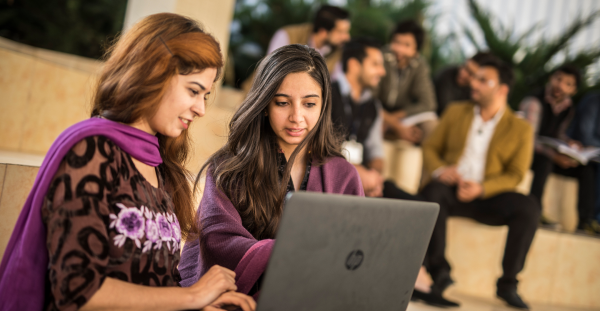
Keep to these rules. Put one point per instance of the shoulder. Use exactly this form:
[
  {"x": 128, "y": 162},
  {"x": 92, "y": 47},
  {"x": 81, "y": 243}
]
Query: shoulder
[
  {"x": 459, "y": 107},
  {"x": 91, "y": 150},
  {"x": 340, "y": 165},
  {"x": 420, "y": 63},
  {"x": 518, "y": 124}
]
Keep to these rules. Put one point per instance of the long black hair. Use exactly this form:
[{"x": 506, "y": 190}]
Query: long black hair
[{"x": 245, "y": 168}]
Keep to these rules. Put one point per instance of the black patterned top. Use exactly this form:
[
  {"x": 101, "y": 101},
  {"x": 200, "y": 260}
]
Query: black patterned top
[
  {"x": 282, "y": 162},
  {"x": 104, "y": 219}
]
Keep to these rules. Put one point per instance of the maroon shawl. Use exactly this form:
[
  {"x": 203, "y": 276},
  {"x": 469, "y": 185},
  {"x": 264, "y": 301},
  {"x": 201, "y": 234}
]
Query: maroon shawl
[{"x": 228, "y": 244}]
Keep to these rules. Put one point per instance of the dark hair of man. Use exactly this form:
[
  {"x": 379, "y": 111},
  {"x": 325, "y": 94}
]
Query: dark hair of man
[
  {"x": 326, "y": 17},
  {"x": 481, "y": 56},
  {"x": 245, "y": 168},
  {"x": 505, "y": 71},
  {"x": 410, "y": 27},
  {"x": 357, "y": 49},
  {"x": 570, "y": 69}
]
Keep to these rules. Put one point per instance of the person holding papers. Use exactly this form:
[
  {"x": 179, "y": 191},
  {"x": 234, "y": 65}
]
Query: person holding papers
[
  {"x": 585, "y": 128},
  {"x": 407, "y": 90},
  {"x": 550, "y": 111}
]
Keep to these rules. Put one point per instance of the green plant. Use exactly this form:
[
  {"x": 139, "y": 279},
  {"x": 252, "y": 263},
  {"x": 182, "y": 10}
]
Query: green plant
[
  {"x": 532, "y": 63},
  {"x": 71, "y": 26}
]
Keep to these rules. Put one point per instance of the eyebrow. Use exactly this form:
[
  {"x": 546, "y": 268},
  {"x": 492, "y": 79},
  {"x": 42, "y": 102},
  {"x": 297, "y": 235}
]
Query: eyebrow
[
  {"x": 199, "y": 85},
  {"x": 304, "y": 97}
]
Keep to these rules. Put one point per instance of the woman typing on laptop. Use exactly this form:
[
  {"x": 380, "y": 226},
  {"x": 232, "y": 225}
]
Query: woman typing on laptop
[
  {"x": 281, "y": 139},
  {"x": 102, "y": 226}
]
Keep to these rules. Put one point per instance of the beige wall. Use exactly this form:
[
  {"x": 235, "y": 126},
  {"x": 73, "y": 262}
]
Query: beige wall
[
  {"x": 44, "y": 92},
  {"x": 215, "y": 15}
]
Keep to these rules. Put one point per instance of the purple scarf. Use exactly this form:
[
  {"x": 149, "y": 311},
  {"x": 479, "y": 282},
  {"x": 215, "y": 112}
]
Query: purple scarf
[
  {"x": 227, "y": 243},
  {"x": 25, "y": 263}
]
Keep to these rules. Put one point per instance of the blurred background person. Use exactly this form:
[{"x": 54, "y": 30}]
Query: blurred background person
[
  {"x": 358, "y": 114},
  {"x": 407, "y": 89},
  {"x": 476, "y": 157},
  {"x": 550, "y": 111},
  {"x": 585, "y": 128},
  {"x": 453, "y": 83},
  {"x": 327, "y": 33}
]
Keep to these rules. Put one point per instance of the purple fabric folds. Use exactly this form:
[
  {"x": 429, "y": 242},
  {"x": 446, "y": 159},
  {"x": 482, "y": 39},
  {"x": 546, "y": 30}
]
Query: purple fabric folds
[
  {"x": 227, "y": 243},
  {"x": 25, "y": 262}
]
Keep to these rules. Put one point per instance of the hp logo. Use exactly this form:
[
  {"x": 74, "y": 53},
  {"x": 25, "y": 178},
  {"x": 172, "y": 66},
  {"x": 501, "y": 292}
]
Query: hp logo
[{"x": 354, "y": 260}]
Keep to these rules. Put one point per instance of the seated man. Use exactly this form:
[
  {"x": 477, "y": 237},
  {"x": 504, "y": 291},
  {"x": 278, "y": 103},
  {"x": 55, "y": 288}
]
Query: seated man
[
  {"x": 452, "y": 83},
  {"x": 476, "y": 156},
  {"x": 407, "y": 90},
  {"x": 326, "y": 34},
  {"x": 550, "y": 111},
  {"x": 585, "y": 128},
  {"x": 357, "y": 114}
]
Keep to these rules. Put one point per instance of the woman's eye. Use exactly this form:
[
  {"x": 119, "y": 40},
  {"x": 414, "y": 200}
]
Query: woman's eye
[
  {"x": 194, "y": 92},
  {"x": 280, "y": 103},
  {"x": 310, "y": 104},
  {"x": 206, "y": 97}
]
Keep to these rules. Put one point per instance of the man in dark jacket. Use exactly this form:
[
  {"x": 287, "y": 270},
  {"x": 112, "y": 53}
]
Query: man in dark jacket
[
  {"x": 550, "y": 111},
  {"x": 585, "y": 128},
  {"x": 357, "y": 114}
]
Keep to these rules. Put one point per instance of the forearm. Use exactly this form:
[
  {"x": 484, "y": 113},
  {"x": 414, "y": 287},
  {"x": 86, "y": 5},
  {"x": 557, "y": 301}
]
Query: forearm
[
  {"x": 376, "y": 164},
  {"x": 115, "y": 294},
  {"x": 389, "y": 120}
]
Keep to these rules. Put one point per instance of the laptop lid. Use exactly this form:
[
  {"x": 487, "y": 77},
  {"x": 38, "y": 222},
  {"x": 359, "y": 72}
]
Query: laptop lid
[{"x": 340, "y": 252}]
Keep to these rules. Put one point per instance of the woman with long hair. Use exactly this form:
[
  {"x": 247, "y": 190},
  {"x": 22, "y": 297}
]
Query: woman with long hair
[
  {"x": 281, "y": 139},
  {"x": 102, "y": 226}
]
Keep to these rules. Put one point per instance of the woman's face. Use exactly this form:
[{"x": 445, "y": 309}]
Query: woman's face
[
  {"x": 184, "y": 100},
  {"x": 295, "y": 109}
]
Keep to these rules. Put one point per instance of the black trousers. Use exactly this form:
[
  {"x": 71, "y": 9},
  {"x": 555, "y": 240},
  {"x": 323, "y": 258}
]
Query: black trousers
[
  {"x": 519, "y": 212},
  {"x": 585, "y": 175},
  {"x": 390, "y": 190}
]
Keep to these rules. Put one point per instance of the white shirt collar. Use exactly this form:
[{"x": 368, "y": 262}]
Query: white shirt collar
[
  {"x": 495, "y": 119},
  {"x": 346, "y": 89}
]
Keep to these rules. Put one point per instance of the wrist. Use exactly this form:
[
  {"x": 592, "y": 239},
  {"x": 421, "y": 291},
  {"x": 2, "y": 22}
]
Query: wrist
[{"x": 192, "y": 300}]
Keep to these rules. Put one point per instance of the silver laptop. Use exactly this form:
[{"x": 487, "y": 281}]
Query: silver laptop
[{"x": 338, "y": 252}]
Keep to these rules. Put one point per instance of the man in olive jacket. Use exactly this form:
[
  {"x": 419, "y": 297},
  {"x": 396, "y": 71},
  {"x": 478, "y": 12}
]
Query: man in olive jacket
[
  {"x": 475, "y": 158},
  {"x": 407, "y": 89}
]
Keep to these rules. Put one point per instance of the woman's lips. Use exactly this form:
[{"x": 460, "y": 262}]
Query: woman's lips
[
  {"x": 183, "y": 123},
  {"x": 295, "y": 132}
]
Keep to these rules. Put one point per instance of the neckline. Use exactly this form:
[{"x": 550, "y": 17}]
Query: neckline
[{"x": 159, "y": 179}]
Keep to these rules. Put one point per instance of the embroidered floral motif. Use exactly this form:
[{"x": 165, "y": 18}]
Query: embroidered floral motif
[{"x": 135, "y": 223}]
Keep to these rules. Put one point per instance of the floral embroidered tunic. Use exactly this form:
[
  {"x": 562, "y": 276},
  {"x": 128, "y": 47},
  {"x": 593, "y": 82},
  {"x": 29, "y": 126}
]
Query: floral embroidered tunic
[{"x": 105, "y": 220}]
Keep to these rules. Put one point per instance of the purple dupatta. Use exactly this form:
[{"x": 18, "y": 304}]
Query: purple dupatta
[
  {"x": 25, "y": 263},
  {"x": 227, "y": 243}
]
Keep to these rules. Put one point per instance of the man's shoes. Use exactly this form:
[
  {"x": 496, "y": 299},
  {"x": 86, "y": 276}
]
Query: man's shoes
[
  {"x": 512, "y": 298},
  {"x": 590, "y": 227},
  {"x": 441, "y": 283},
  {"x": 433, "y": 299}
]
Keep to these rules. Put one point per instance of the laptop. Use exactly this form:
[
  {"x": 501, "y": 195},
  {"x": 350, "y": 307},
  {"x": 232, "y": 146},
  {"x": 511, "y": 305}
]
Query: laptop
[{"x": 340, "y": 252}]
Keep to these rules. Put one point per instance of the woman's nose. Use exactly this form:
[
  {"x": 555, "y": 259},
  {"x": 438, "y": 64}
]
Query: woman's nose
[{"x": 199, "y": 109}]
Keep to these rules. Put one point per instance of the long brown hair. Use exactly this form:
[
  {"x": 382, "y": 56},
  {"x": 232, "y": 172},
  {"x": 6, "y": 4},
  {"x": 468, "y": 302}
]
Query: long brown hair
[
  {"x": 135, "y": 77},
  {"x": 245, "y": 169}
]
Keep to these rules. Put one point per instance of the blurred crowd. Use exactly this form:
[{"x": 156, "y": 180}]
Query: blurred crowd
[{"x": 476, "y": 149}]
